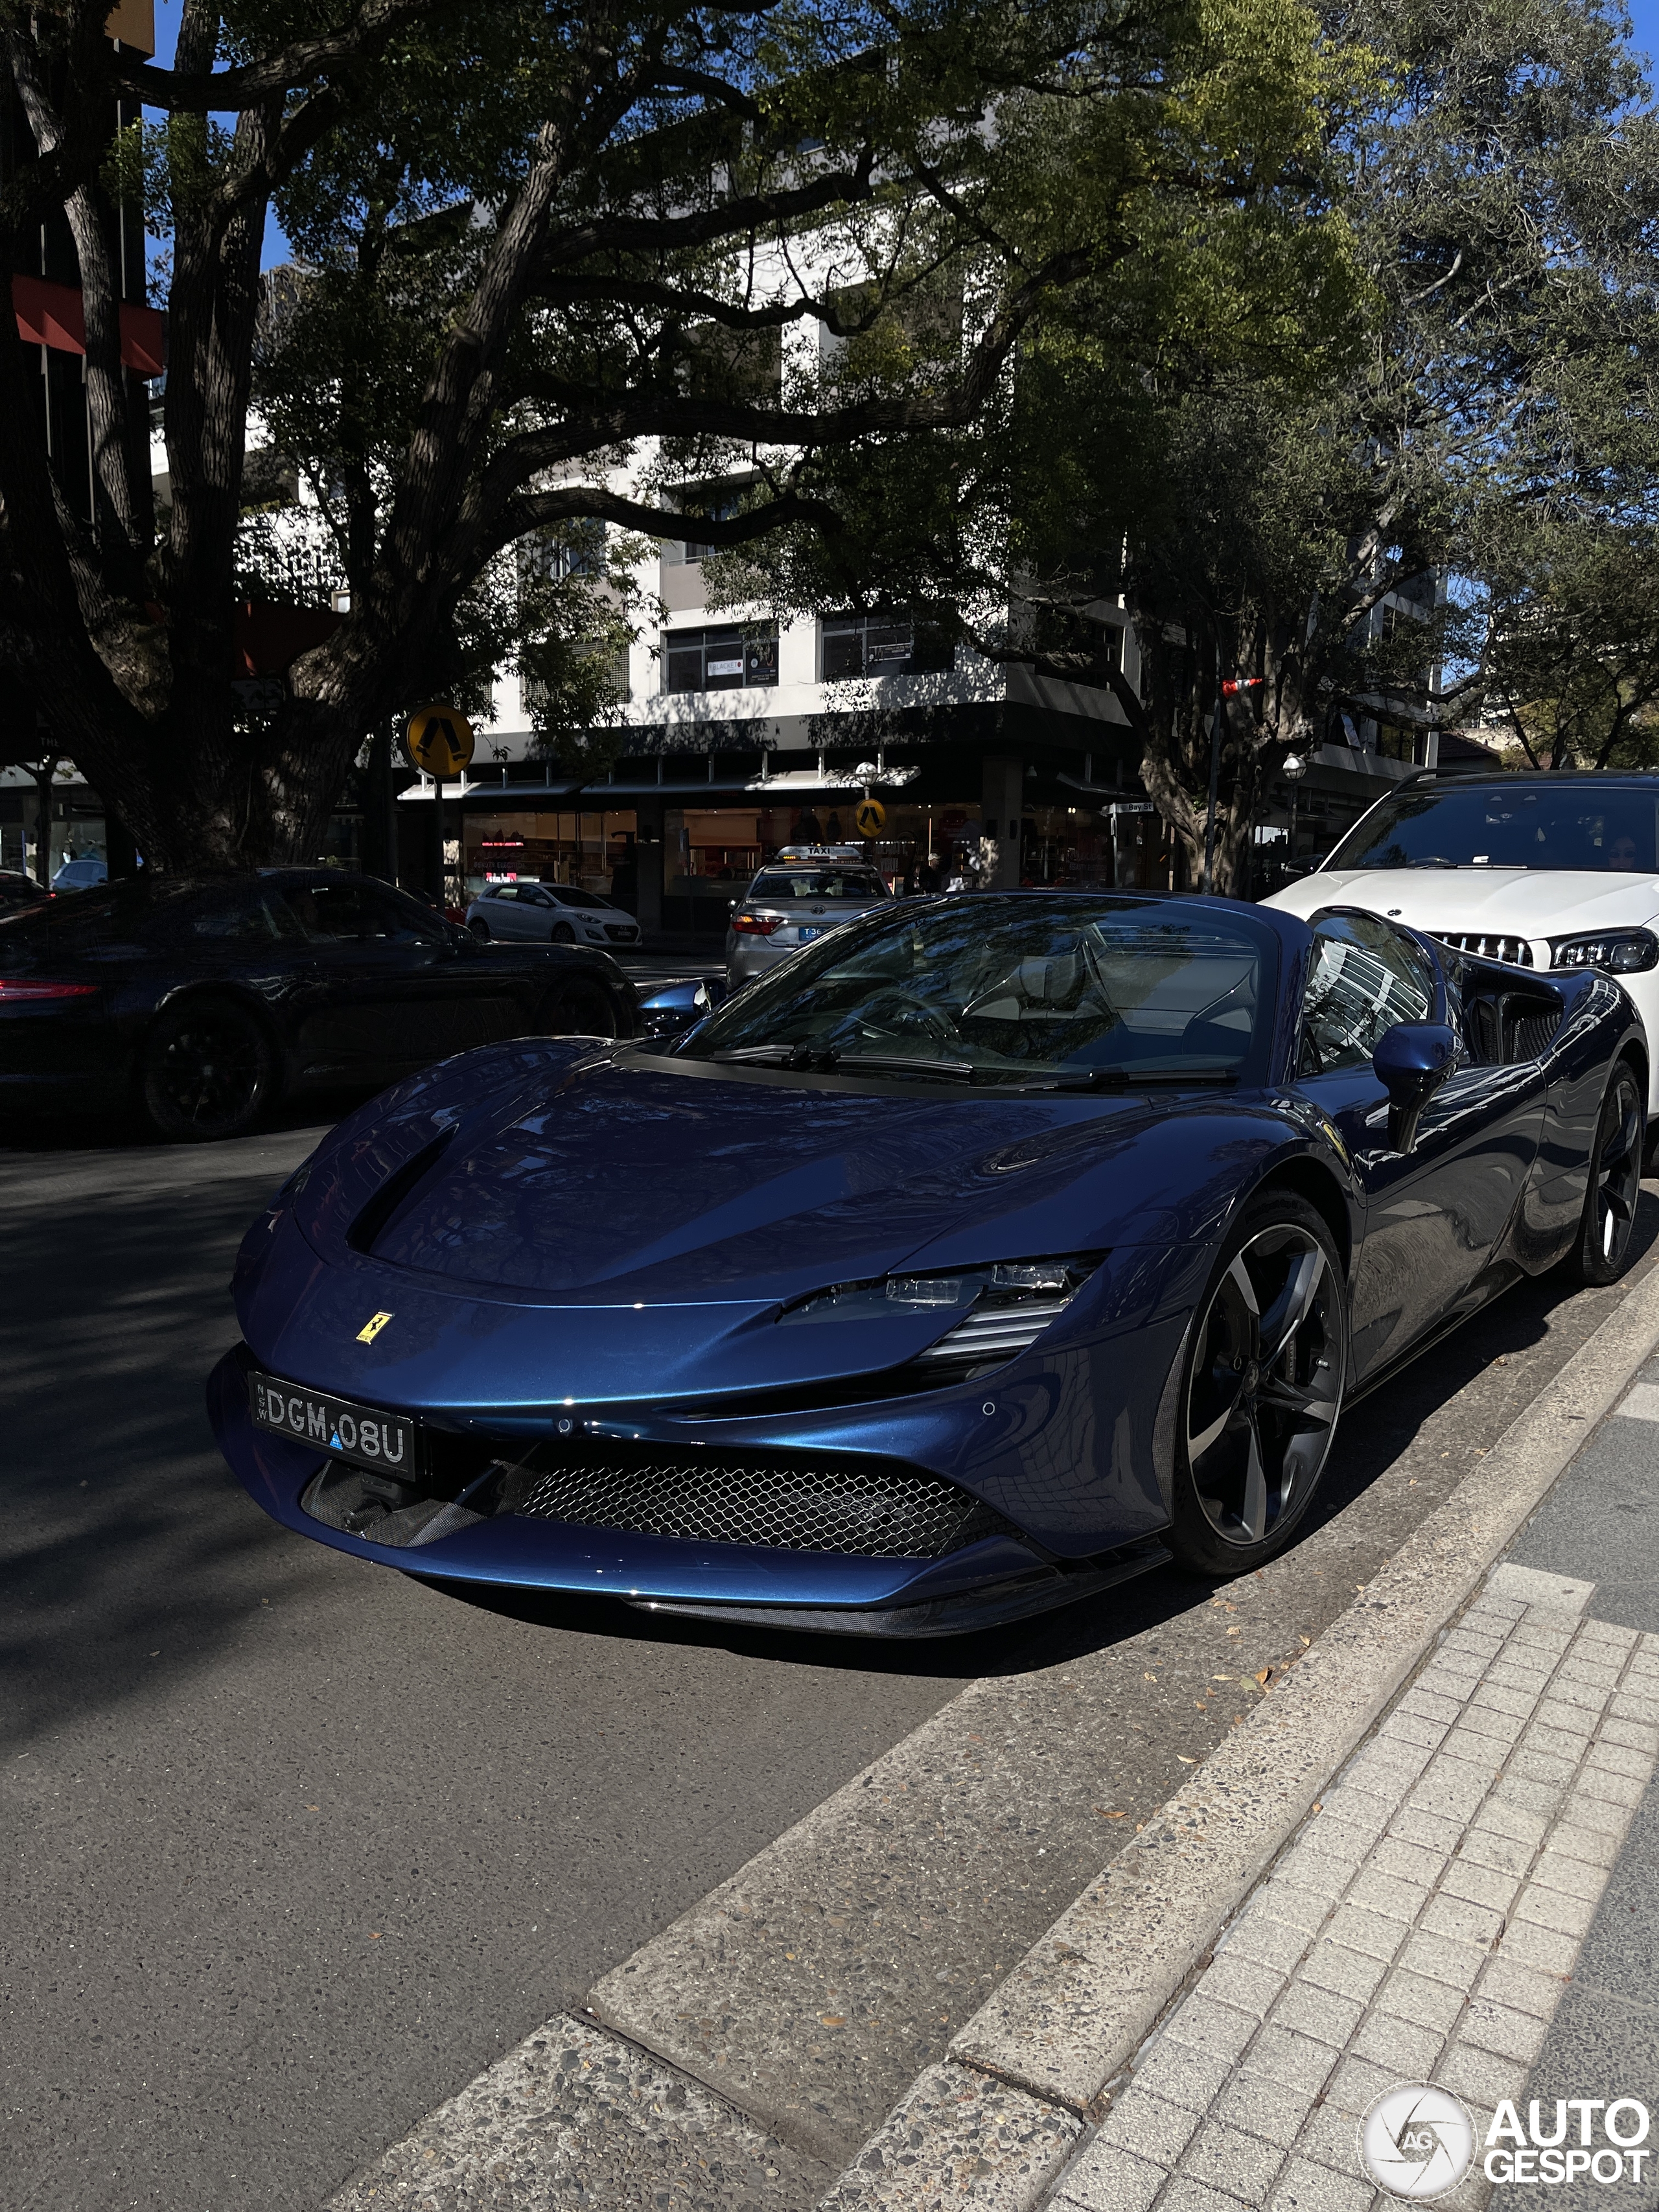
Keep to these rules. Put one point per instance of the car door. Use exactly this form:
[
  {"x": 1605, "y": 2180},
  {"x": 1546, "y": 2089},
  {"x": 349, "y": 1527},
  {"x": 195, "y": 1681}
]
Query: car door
[
  {"x": 1436, "y": 1217},
  {"x": 538, "y": 910},
  {"x": 391, "y": 989},
  {"x": 505, "y": 915}
]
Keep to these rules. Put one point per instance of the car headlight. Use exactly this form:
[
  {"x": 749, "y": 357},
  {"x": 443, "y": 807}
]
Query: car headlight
[
  {"x": 1614, "y": 952},
  {"x": 1004, "y": 1307}
]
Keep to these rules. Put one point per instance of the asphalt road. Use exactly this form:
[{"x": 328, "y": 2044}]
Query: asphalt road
[{"x": 294, "y": 1846}]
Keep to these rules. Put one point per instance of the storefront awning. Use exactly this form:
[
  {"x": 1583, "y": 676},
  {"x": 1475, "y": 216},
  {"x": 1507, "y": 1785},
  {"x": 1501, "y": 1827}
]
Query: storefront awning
[{"x": 592, "y": 798}]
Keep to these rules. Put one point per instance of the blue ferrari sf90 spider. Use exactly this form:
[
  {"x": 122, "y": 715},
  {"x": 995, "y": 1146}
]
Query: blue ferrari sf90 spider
[{"x": 983, "y": 1253}]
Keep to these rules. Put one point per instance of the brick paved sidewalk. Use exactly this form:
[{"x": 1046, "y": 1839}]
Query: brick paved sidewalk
[{"x": 1423, "y": 1927}]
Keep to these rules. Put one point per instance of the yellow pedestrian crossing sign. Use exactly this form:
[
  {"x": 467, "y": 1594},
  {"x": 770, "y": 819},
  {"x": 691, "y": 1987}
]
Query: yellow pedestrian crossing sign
[
  {"x": 871, "y": 818},
  {"x": 438, "y": 740}
]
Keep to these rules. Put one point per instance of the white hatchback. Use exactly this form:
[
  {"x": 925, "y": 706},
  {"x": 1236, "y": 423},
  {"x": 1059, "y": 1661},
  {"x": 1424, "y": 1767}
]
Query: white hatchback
[
  {"x": 1541, "y": 872},
  {"x": 524, "y": 912}
]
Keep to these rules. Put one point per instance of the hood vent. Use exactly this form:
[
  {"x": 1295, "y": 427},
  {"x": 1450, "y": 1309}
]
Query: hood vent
[{"x": 376, "y": 1218}]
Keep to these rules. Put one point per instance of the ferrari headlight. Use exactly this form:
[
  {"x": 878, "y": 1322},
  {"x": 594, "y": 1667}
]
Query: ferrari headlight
[
  {"x": 1004, "y": 1307},
  {"x": 1614, "y": 952}
]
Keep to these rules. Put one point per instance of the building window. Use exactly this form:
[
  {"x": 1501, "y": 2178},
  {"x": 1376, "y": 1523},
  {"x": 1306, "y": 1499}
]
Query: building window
[
  {"x": 716, "y": 502},
  {"x": 723, "y": 660},
  {"x": 575, "y": 549},
  {"x": 876, "y": 645},
  {"x": 1396, "y": 743}
]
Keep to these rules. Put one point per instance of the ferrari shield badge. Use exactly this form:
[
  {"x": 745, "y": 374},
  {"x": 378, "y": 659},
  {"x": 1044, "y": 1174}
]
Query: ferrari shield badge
[{"x": 372, "y": 1327}]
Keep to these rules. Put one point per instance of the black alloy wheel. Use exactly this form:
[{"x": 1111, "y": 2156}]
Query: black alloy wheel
[
  {"x": 208, "y": 1070},
  {"x": 480, "y": 928},
  {"x": 580, "y": 1009},
  {"x": 1605, "y": 1243},
  {"x": 561, "y": 933},
  {"x": 1266, "y": 1372}
]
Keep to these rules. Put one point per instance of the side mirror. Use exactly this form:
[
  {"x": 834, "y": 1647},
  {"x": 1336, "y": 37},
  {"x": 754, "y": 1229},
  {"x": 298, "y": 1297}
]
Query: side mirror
[
  {"x": 1412, "y": 1061},
  {"x": 1304, "y": 864},
  {"x": 673, "y": 1007}
]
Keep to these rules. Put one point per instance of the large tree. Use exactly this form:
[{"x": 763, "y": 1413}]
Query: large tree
[
  {"x": 1380, "y": 506},
  {"x": 543, "y": 243}
]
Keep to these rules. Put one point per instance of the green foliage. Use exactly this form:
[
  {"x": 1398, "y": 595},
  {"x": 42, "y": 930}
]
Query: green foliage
[{"x": 1420, "y": 347}]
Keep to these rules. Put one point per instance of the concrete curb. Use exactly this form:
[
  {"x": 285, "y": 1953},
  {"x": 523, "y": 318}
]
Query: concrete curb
[{"x": 1086, "y": 1997}]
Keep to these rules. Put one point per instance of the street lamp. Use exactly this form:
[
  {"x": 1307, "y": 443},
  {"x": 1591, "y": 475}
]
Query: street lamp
[{"x": 1294, "y": 769}]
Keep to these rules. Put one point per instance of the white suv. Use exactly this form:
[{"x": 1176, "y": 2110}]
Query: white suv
[{"x": 1541, "y": 871}]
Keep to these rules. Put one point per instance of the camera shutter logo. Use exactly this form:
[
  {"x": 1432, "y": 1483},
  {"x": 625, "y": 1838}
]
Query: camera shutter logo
[{"x": 1417, "y": 2142}]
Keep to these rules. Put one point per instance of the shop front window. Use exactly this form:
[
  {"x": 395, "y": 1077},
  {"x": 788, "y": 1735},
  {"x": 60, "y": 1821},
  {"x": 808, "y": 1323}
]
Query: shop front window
[{"x": 723, "y": 660}]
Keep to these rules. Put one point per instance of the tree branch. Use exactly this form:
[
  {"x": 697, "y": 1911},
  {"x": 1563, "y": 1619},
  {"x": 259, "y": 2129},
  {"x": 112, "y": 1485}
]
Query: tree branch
[{"x": 196, "y": 91}]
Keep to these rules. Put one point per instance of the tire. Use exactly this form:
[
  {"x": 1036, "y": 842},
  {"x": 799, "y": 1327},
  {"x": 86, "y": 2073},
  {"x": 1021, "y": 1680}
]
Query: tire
[
  {"x": 579, "y": 1009},
  {"x": 480, "y": 929},
  {"x": 208, "y": 1070},
  {"x": 1606, "y": 1241},
  {"x": 561, "y": 933},
  {"x": 1261, "y": 1389}
]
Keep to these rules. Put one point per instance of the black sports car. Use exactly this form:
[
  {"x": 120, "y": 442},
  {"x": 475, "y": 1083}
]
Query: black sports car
[
  {"x": 204, "y": 1002},
  {"x": 18, "y": 890}
]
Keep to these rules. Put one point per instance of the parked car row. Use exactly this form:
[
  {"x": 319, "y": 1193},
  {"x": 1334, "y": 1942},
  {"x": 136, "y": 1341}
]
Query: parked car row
[{"x": 206, "y": 1002}]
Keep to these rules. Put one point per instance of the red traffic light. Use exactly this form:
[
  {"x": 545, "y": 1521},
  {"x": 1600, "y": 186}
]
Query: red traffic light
[{"x": 1232, "y": 685}]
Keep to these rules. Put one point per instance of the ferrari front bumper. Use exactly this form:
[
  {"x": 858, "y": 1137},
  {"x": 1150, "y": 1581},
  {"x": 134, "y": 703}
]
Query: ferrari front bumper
[{"x": 984, "y": 1583}]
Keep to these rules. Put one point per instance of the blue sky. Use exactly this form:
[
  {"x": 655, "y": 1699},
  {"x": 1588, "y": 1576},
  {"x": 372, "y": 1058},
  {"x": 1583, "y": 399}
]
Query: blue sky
[{"x": 1643, "y": 14}]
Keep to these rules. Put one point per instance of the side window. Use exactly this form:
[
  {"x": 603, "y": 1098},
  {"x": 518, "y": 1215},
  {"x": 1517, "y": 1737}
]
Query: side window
[
  {"x": 355, "y": 914},
  {"x": 1363, "y": 978},
  {"x": 246, "y": 920},
  {"x": 504, "y": 891}
]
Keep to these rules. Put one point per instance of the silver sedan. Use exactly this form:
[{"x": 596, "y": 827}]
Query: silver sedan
[
  {"x": 791, "y": 901},
  {"x": 542, "y": 913}
]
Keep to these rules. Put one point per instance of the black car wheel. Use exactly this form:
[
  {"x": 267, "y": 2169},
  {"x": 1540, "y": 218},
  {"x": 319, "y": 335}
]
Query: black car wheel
[
  {"x": 480, "y": 928},
  {"x": 1266, "y": 1371},
  {"x": 561, "y": 933},
  {"x": 1605, "y": 1243},
  {"x": 208, "y": 1070},
  {"x": 579, "y": 1009}
]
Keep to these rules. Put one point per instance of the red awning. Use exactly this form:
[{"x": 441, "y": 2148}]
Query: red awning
[
  {"x": 270, "y": 634},
  {"x": 52, "y": 315}
]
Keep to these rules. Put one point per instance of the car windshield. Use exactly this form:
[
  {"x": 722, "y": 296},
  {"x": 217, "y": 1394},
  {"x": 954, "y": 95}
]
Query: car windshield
[
  {"x": 817, "y": 883},
  {"x": 1586, "y": 824},
  {"x": 983, "y": 987}
]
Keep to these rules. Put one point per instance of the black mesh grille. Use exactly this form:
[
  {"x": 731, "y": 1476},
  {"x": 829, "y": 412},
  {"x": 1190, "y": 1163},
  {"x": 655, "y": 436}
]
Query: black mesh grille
[
  {"x": 870, "y": 1510},
  {"x": 1533, "y": 1033}
]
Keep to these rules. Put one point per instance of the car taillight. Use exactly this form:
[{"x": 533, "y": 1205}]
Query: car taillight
[
  {"x": 756, "y": 925},
  {"x": 11, "y": 987}
]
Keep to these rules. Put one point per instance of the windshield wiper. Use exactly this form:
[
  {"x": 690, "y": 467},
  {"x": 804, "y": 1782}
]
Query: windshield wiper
[
  {"x": 807, "y": 1059},
  {"x": 883, "y": 1063},
  {"x": 1126, "y": 1079}
]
